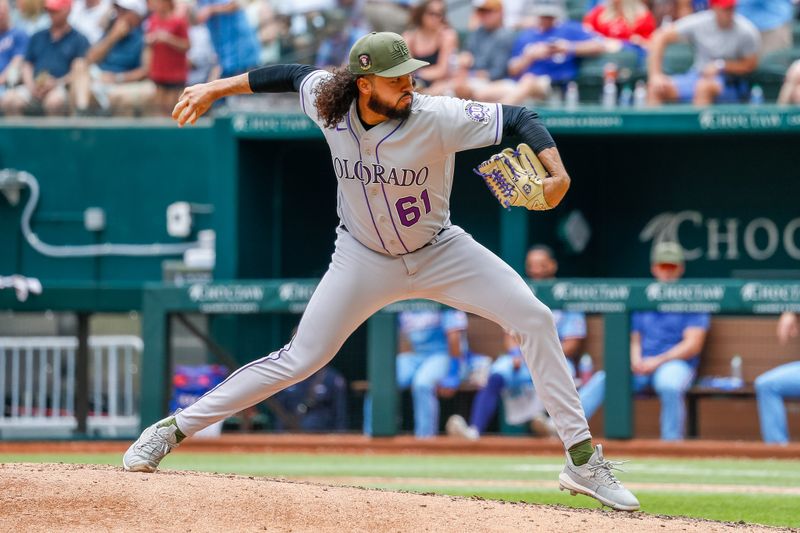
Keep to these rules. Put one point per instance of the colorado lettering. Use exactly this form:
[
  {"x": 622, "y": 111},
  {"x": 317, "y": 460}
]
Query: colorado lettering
[{"x": 344, "y": 169}]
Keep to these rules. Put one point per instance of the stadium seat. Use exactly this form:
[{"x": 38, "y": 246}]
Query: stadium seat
[
  {"x": 678, "y": 58},
  {"x": 576, "y": 12},
  {"x": 772, "y": 70},
  {"x": 590, "y": 77},
  {"x": 576, "y": 9}
]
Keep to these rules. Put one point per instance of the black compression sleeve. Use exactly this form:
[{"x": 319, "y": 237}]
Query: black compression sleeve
[
  {"x": 278, "y": 78},
  {"x": 525, "y": 123}
]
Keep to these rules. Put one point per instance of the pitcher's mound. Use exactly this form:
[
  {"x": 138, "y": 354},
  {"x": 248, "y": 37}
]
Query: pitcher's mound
[{"x": 48, "y": 497}]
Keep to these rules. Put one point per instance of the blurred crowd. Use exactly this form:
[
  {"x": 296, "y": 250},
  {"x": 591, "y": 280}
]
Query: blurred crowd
[{"x": 134, "y": 57}]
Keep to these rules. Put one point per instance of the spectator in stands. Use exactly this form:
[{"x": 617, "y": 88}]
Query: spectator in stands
[
  {"x": 725, "y": 50},
  {"x": 546, "y": 55},
  {"x": 90, "y": 18},
  {"x": 437, "y": 340},
  {"x": 114, "y": 76},
  {"x": 773, "y": 18},
  {"x": 431, "y": 39},
  {"x": 13, "y": 42},
  {"x": 318, "y": 403},
  {"x": 235, "y": 41},
  {"x": 509, "y": 373},
  {"x": 775, "y": 385},
  {"x": 665, "y": 350},
  {"x": 790, "y": 91},
  {"x": 270, "y": 28},
  {"x": 203, "y": 62},
  {"x": 341, "y": 35},
  {"x": 517, "y": 15},
  {"x": 50, "y": 56},
  {"x": 625, "y": 20},
  {"x": 30, "y": 16},
  {"x": 167, "y": 36},
  {"x": 485, "y": 56},
  {"x": 388, "y": 15}
]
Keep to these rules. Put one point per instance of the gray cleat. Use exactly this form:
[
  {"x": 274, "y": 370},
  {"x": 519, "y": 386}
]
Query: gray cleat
[
  {"x": 595, "y": 479},
  {"x": 153, "y": 444}
]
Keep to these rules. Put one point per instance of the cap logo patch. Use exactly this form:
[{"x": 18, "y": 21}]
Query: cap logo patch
[
  {"x": 364, "y": 62},
  {"x": 477, "y": 112},
  {"x": 400, "y": 50}
]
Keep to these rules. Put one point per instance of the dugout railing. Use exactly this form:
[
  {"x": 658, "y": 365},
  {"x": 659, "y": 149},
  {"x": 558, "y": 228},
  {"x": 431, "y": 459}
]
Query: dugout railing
[{"x": 38, "y": 384}]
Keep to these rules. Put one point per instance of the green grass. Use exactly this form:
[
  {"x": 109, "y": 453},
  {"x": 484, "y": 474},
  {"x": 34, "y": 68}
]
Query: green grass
[{"x": 461, "y": 474}]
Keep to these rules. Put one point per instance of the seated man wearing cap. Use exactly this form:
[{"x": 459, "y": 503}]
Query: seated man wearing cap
[
  {"x": 725, "y": 50},
  {"x": 50, "y": 55},
  {"x": 545, "y": 55},
  {"x": 665, "y": 350},
  {"x": 114, "y": 76},
  {"x": 484, "y": 57}
]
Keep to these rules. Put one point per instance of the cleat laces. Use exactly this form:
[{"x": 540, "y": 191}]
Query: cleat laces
[
  {"x": 602, "y": 470},
  {"x": 156, "y": 445}
]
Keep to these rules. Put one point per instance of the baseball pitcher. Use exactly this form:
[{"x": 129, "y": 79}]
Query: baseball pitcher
[{"x": 392, "y": 154}]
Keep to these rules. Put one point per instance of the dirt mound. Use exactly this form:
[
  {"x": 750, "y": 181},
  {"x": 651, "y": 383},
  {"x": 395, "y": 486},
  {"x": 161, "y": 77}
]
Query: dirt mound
[{"x": 48, "y": 497}]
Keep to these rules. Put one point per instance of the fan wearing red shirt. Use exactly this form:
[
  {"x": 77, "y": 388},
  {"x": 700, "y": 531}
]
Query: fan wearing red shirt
[
  {"x": 168, "y": 39},
  {"x": 626, "y": 20}
]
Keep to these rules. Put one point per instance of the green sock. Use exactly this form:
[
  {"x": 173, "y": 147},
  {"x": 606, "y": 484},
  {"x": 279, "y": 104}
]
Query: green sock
[
  {"x": 179, "y": 436},
  {"x": 581, "y": 452}
]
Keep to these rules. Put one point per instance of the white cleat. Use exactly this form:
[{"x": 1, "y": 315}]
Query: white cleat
[
  {"x": 152, "y": 446},
  {"x": 596, "y": 479},
  {"x": 456, "y": 426}
]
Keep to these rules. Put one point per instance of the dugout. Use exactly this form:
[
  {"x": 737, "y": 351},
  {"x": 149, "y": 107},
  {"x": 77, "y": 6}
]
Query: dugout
[{"x": 614, "y": 298}]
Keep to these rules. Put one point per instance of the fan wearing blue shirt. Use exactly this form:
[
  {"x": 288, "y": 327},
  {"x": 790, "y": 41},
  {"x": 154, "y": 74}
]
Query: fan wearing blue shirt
[
  {"x": 773, "y": 19},
  {"x": 665, "y": 351},
  {"x": 13, "y": 42},
  {"x": 542, "y": 57},
  {"x": 235, "y": 41},
  {"x": 49, "y": 57},
  {"x": 115, "y": 76}
]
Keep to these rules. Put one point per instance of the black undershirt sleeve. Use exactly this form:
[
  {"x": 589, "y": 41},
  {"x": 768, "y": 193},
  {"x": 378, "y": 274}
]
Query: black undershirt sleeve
[
  {"x": 525, "y": 123},
  {"x": 278, "y": 78}
]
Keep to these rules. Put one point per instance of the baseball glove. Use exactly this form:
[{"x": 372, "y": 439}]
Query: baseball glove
[{"x": 515, "y": 178}]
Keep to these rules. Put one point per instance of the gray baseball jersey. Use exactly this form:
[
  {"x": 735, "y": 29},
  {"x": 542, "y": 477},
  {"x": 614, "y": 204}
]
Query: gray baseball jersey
[
  {"x": 394, "y": 181},
  {"x": 396, "y": 242}
]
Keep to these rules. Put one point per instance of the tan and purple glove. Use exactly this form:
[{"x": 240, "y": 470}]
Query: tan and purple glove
[{"x": 515, "y": 178}]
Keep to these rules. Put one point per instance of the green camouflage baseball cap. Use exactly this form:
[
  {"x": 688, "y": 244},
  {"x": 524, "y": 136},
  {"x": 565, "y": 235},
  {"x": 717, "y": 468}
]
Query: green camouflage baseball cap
[
  {"x": 666, "y": 252},
  {"x": 384, "y": 54}
]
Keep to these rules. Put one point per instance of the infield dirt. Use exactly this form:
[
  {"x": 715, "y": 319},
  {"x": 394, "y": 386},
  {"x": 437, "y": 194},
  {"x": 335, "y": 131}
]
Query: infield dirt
[{"x": 65, "y": 497}]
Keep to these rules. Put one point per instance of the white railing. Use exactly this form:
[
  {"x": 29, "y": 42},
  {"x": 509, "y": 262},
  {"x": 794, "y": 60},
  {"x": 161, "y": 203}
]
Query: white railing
[{"x": 37, "y": 385}]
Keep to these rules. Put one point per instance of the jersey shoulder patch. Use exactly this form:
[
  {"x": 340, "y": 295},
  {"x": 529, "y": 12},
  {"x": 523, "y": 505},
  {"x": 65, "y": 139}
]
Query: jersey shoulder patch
[{"x": 477, "y": 112}]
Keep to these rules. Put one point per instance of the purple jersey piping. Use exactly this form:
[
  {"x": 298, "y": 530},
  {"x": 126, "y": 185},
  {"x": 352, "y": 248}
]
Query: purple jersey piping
[
  {"x": 303, "y": 96},
  {"x": 363, "y": 187},
  {"x": 248, "y": 365},
  {"x": 378, "y": 160},
  {"x": 496, "y": 123}
]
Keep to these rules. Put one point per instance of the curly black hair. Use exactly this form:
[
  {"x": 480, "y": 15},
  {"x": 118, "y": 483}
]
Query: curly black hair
[{"x": 334, "y": 96}]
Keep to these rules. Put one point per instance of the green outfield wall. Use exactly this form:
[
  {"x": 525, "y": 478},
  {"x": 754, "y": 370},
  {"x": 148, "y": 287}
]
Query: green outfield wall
[{"x": 723, "y": 181}]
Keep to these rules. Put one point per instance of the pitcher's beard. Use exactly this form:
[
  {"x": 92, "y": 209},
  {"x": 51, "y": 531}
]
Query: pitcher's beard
[{"x": 379, "y": 106}]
